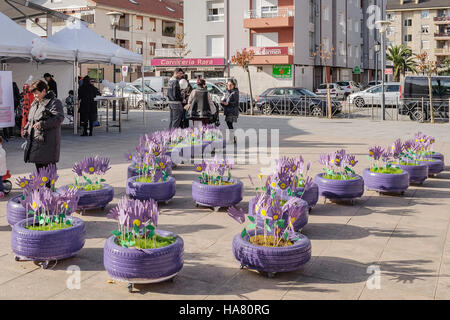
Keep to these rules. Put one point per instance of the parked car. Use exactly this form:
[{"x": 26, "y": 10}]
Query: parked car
[
  {"x": 156, "y": 83},
  {"x": 373, "y": 95},
  {"x": 134, "y": 93},
  {"x": 349, "y": 87},
  {"x": 222, "y": 80},
  {"x": 415, "y": 89},
  {"x": 373, "y": 83},
  {"x": 336, "y": 91},
  {"x": 294, "y": 100}
]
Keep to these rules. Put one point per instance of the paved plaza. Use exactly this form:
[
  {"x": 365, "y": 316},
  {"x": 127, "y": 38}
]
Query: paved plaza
[{"x": 406, "y": 238}]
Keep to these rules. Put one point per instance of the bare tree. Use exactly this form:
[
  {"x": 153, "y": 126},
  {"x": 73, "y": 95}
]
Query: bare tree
[
  {"x": 325, "y": 55},
  {"x": 243, "y": 60},
  {"x": 181, "y": 47},
  {"x": 428, "y": 67}
]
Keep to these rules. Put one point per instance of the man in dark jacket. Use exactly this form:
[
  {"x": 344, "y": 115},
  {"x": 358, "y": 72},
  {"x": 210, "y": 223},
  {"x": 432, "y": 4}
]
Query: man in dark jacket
[
  {"x": 88, "y": 106},
  {"x": 43, "y": 129},
  {"x": 51, "y": 84},
  {"x": 175, "y": 99}
]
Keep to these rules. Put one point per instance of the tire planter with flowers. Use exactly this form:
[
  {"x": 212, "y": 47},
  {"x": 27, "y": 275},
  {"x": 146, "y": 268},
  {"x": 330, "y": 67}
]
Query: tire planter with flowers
[
  {"x": 138, "y": 252},
  {"x": 437, "y": 156},
  {"x": 343, "y": 190},
  {"x": 15, "y": 211},
  {"x": 217, "y": 196},
  {"x": 384, "y": 182},
  {"x": 95, "y": 199},
  {"x": 299, "y": 223},
  {"x": 132, "y": 171},
  {"x": 47, "y": 245},
  {"x": 417, "y": 173},
  {"x": 435, "y": 166},
  {"x": 271, "y": 260},
  {"x": 158, "y": 191},
  {"x": 311, "y": 195}
]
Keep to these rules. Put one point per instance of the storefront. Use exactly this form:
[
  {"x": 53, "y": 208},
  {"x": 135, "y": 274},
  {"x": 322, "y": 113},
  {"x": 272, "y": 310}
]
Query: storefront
[{"x": 194, "y": 68}]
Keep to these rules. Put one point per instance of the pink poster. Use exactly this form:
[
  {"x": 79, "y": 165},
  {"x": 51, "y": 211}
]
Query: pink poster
[{"x": 6, "y": 100}]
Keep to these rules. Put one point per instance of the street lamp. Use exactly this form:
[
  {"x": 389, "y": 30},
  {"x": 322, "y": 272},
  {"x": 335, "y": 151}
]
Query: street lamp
[
  {"x": 377, "y": 48},
  {"x": 383, "y": 28},
  {"x": 114, "y": 18}
]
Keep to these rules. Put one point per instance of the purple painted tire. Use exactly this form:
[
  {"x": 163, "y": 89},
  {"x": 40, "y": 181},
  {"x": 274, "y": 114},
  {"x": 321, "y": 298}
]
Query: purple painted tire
[
  {"x": 217, "y": 196},
  {"x": 434, "y": 167},
  {"x": 159, "y": 191},
  {"x": 15, "y": 211},
  {"x": 97, "y": 199},
  {"x": 133, "y": 172},
  {"x": 417, "y": 174},
  {"x": 437, "y": 156},
  {"x": 382, "y": 182},
  {"x": 143, "y": 266},
  {"x": 311, "y": 195},
  {"x": 301, "y": 222},
  {"x": 47, "y": 245},
  {"x": 271, "y": 260},
  {"x": 340, "y": 189}
]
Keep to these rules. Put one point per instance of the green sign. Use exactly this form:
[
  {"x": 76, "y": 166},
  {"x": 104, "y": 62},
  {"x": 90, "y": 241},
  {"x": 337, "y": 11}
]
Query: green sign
[
  {"x": 282, "y": 71},
  {"x": 357, "y": 70}
]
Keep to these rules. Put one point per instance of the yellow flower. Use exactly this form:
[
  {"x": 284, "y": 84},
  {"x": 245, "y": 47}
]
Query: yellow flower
[
  {"x": 292, "y": 219},
  {"x": 275, "y": 217},
  {"x": 371, "y": 153},
  {"x": 263, "y": 212},
  {"x": 44, "y": 179},
  {"x": 91, "y": 169},
  {"x": 337, "y": 160},
  {"x": 130, "y": 157},
  {"x": 137, "y": 223},
  {"x": 162, "y": 165},
  {"x": 283, "y": 186},
  {"x": 352, "y": 162},
  {"x": 294, "y": 168},
  {"x": 156, "y": 153},
  {"x": 199, "y": 168},
  {"x": 274, "y": 185},
  {"x": 23, "y": 184},
  {"x": 66, "y": 205},
  {"x": 332, "y": 161},
  {"x": 53, "y": 181},
  {"x": 260, "y": 176},
  {"x": 34, "y": 205}
]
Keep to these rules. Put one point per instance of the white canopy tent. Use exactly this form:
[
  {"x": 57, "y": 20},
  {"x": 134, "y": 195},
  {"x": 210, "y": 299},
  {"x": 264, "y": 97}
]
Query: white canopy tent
[{"x": 90, "y": 47}]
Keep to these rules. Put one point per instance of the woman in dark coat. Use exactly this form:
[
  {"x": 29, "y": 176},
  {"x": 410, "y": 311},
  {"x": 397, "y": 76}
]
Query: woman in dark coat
[
  {"x": 51, "y": 84},
  {"x": 88, "y": 107},
  {"x": 200, "y": 108},
  {"x": 230, "y": 105},
  {"x": 43, "y": 129}
]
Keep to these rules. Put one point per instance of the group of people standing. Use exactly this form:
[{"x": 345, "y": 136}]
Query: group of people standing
[{"x": 197, "y": 104}]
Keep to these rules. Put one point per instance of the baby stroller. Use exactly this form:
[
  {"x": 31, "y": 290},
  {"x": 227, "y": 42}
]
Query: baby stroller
[{"x": 7, "y": 185}]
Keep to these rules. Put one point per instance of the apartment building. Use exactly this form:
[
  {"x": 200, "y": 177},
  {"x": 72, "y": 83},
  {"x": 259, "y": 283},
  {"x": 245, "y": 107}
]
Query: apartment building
[
  {"x": 145, "y": 27},
  {"x": 422, "y": 25},
  {"x": 285, "y": 35}
]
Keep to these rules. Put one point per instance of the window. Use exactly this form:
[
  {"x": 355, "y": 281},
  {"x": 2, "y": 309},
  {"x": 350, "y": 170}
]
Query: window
[
  {"x": 265, "y": 39},
  {"x": 152, "y": 24},
  {"x": 349, "y": 50},
  {"x": 326, "y": 13},
  {"x": 357, "y": 23},
  {"x": 152, "y": 47},
  {"x": 311, "y": 11},
  {"x": 216, "y": 11},
  {"x": 408, "y": 37},
  {"x": 326, "y": 44},
  {"x": 357, "y": 48},
  {"x": 408, "y": 23},
  {"x": 425, "y": 14},
  {"x": 341, "y": 48},
  {"x": 425, "y": 28},
  {"x": 169, "y": 29},
  {"x": 393, "y": 88},
  {"x": 139, "y": 23},
  {"x": 425, "y": 44},
  {"x": 139, "y": 47},
  {"x": 350, "y": 24},
  {"x": 215, "y": 46},
  {"x": 341, "y": 19},
  {"x": 312, "y": 44},
  {"x": 390, "y": 16}
]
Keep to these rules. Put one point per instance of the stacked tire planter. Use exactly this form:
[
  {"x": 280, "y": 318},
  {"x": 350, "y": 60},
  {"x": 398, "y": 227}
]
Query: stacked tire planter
[
  {"x": 340, "y": 190},
  {"x": 46, "y": 246},
  {"x": 132, "y": 171},
  {"x": 91, "y": 200},
  {"x": 417, "y": 173},
  {"x": 15, "y": 211},
  {"x": 143, "y": 266},
  {"x": 311, "y": 195},
  {"x": 158, "y": 191},
  {"x": 271, "y": 260},
  {"x": 223, "y": 196},
  {"x": 301, "y": 222},
  {"x": 437, "y": 156},
  {"x": 435, "y": 166},
  {"x": 388, "y": 183}
]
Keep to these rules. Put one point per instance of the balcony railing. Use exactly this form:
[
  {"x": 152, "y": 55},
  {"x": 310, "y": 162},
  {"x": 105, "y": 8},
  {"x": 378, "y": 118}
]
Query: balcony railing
[
  {"x": 258, "y": 14},
  {"x": 167, "y": 53},
  {"x": 443, "y": 18},
  {"x": 442, "y": 34},
  {"x": 442, "y": 51}
]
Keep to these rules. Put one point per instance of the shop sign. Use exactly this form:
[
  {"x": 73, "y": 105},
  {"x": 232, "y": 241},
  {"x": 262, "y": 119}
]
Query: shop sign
[
  {"x": 357, "y": 70},
  {"x": 269, "y": 51},
  {"x": 389, "y": 71},
  {"x": 282, "y": 71},
  {"x": 187, "y": 62}
]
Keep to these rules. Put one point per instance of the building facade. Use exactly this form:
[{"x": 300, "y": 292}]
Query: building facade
[
  {"x": 422, "y": 25},
  {"x": 144, "y": 28},
  {"x": 285, "y": 36}
]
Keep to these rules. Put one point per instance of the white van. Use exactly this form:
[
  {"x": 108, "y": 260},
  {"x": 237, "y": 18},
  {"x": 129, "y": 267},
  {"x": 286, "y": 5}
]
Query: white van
[{"x": 156, "y": 83}]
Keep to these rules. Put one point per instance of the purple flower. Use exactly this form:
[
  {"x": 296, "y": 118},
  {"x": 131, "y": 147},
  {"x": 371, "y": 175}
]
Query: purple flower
[
  {"x": 78, "y": 169},
  {"x": 376, "y": 152},
  {"x": 325, "y": 160},
  {"x": 351, "y": 161},
  {"x": 397, "y": 148},
  {"x": 237, "y": 214}
]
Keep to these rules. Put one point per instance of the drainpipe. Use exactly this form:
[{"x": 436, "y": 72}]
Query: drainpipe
[{"x": 228, "y": 36}]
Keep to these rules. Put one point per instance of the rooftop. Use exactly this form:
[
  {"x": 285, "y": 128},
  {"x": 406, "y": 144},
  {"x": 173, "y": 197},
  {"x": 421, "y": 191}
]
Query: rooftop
[
  {"x": 416, "y": 4},
  {"x": 165, "y": 8}
]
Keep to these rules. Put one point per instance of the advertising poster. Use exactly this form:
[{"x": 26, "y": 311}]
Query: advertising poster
[{"x": 6, "y": 100}]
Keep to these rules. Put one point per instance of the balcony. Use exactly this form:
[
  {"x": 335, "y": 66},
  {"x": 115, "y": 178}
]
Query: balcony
[
  {"x": 167, "y": 53},
  {"x": 442, "y": 20},
  {"x": 272, "y": 55},
  {"x": 280, "y": 18},
  {"x": 442, "y": 52},
  {"x": 442, "y": 35}
]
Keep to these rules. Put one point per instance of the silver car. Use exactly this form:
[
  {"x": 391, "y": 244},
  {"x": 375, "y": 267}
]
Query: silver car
[
  {"x": 134, "y": 94},
  {"x": 373, "y": 95},
  {"x": 336, "y": 92}
]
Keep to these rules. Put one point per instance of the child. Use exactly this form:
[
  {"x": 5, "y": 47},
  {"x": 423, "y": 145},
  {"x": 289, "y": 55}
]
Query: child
[
  {"x": 70, "y": 103},
  {"x": 2, "y": 167}
]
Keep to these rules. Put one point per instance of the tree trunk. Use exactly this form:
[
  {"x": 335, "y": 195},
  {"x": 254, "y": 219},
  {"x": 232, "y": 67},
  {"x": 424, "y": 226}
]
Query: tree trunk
[
  {"x": 330, "y": 115},
  {"x": 430, "y": 91},
  {"x": 251, "y": 92}
]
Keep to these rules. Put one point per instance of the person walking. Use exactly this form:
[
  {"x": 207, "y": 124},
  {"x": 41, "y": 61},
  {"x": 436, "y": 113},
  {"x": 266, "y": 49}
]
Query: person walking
[
  {"x": 175, "y": 99},
  {"x": 43, "y": 129},
  {"x": 186, "y": 90},
  {"x": 230, "y": 105},
  {"x": 51, "y": 84},
  {"x": 88, "y": 107},
  {"x": 200, "y": 107}
]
